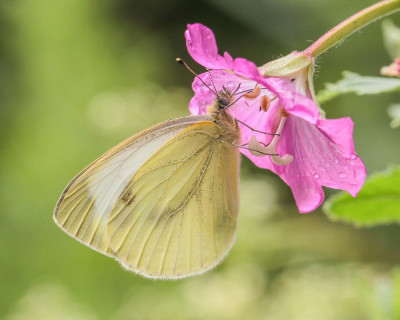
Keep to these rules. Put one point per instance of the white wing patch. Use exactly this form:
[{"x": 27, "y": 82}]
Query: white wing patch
[{"x": 117, "y": 173}]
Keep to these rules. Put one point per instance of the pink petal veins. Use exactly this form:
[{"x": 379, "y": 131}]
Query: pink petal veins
[{"x": 339, "y": 131}]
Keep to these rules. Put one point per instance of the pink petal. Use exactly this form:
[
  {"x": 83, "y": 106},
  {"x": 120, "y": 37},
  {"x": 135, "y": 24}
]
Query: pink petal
[
  {"x": 201, "y": 45},
  {"x": 338, "y": 130},
  {"x": 228, "y": 58},
  {"x": 245, "y": 68},
  {"x": 307, "y": 193},
  {"x": 318, "y": 157},
  {"x": 300, "y": 106},
  {"x": 318, "y": 161},
  {"x": 247, "y": 115},
  {"x": 203, "y": 96}
]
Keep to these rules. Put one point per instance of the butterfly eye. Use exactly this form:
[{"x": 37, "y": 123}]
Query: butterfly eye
[{"x": 223, "y": 102}]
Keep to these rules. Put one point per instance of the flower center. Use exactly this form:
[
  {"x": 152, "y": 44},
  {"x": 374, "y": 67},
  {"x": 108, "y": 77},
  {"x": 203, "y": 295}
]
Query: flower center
[{"x": 258, "y": 149}]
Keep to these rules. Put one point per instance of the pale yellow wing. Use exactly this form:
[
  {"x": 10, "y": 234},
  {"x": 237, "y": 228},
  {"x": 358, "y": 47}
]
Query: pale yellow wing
[
  {"x": 178, "y": 215},
  {"x": 84, "y": 207}
]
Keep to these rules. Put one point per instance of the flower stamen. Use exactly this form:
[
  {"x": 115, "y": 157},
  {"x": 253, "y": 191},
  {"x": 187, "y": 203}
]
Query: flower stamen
[
  {"x": 260, "y": 150},
  {"x": 254, "y": 93},
  {"x": 283, "y": 113},
  {"x": 265, "y": 102}
]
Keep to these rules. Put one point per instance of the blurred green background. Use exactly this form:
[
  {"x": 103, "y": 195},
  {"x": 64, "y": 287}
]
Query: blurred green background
[{"x": 79, "y": 76}]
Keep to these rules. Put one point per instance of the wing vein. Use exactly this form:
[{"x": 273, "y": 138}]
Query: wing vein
[
  {"x": 154, "y": 225},
  {"x": 137, "y": 233}
]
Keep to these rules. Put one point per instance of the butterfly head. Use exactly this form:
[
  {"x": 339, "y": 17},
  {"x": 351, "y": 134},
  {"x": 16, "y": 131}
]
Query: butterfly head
[{"x": 223, "y": 99}]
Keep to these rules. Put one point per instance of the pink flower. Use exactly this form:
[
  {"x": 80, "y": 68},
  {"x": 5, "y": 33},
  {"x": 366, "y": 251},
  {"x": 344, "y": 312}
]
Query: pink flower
[
  {"x": 313, "y": 152},
  {"x": 392, "y": 70}
]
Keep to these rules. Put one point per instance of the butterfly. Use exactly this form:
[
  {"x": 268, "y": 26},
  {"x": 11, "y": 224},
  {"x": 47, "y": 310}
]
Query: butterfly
[{"x": 164, "y": 202}]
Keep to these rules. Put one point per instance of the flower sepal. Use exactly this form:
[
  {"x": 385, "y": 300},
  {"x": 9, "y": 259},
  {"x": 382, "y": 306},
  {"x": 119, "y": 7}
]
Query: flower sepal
[
  {"x": 287, "y": 65},
  {"x": 294, "y": 65}
]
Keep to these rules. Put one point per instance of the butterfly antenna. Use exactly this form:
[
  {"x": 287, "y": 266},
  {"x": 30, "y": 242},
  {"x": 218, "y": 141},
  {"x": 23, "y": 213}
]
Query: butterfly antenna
[
  {"x": 212, "y": 80},
  {"x": 179, "y": 60}
]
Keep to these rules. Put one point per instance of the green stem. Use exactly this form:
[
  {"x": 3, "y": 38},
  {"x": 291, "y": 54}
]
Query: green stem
[{"x": 352, "y": 24}]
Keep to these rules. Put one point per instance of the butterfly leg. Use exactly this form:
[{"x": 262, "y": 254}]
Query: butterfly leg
[
  {"x": 254, "y": 150},
  {"x": 255, "y": 130}
]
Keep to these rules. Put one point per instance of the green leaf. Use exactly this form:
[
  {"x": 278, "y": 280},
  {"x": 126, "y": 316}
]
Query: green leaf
[
  {"x": 391, "y": 38},
  {"x": 355, "y": 83},
  {"x": 377, "y": 203}
]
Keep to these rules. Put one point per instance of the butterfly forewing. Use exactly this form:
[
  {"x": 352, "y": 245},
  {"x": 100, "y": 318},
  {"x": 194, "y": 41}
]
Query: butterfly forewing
[
  {"x": 177, "y": 216},
  {"x": 84, "y": 207}
]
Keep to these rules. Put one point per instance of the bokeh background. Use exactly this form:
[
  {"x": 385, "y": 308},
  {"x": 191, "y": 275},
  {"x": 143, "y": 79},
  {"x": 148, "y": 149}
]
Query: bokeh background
[{"x": 79, "y": 76}]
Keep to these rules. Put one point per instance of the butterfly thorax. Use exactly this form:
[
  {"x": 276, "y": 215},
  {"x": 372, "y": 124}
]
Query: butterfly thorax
[{"x": 230, "y": 129}]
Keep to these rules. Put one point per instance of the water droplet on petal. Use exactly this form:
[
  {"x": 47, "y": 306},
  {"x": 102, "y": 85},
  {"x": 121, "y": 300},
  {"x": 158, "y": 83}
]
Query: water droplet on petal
[
  {"x": 342, "y": 175},
  {"x": 354, "y": 157},
  {"x": 336, "y": 161},
  {"x": 316, "y": 175}
]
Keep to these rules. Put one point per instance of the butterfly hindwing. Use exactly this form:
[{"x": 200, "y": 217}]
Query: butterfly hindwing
[{"x": 177, "y": 216}]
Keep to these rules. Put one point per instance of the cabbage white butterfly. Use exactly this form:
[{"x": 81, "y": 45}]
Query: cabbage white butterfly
[{"x": 164, "y": 202}]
